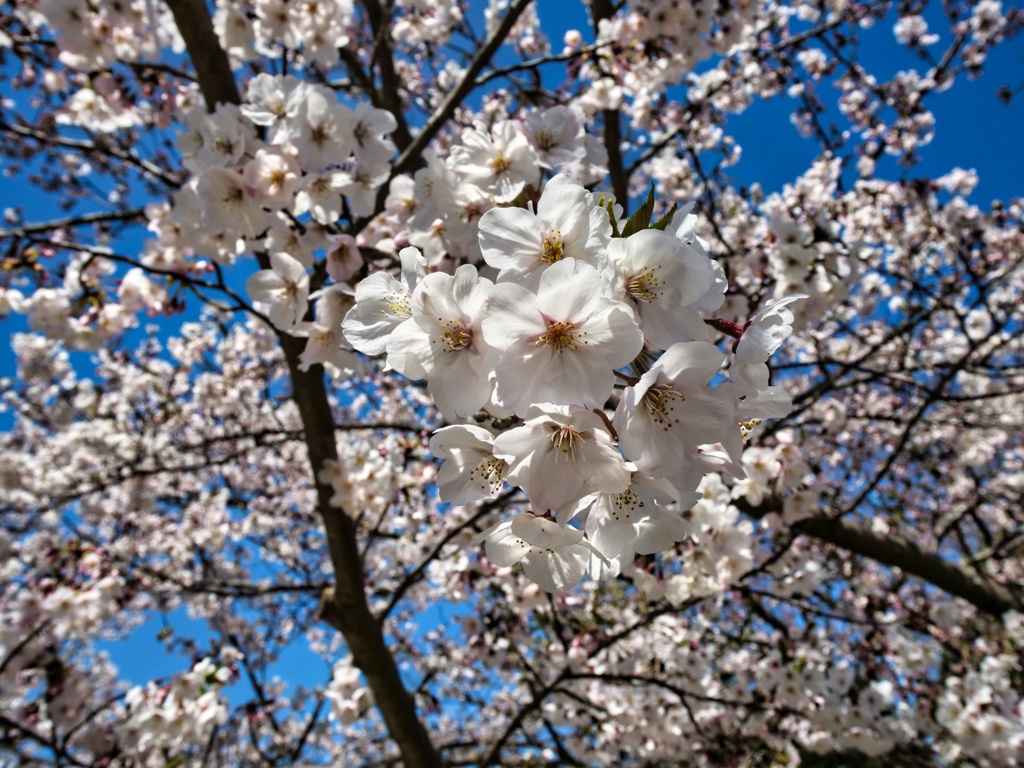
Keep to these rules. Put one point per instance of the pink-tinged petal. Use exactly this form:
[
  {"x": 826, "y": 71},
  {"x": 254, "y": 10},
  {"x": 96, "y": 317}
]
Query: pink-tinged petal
[
  {"x": 288, "y": 267},
  {"x": 557, "y": 570},
  {"x": 460, "y": 437},
  {"x": 659, "y": 532},
  {"x": 664, "y": 325},
  {"x": 565, "y": 207},
  {"x": 570, "y": 290},
  {"x": 543, "y": 534},
  {"x": 264, "y": 286},
  {"x": 507, "y": 550}
]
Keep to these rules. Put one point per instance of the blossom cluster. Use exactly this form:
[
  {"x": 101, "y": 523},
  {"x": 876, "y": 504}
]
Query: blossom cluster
[
  {"x": 544, "y": 345},
  {"x": 184, "y": 710}
]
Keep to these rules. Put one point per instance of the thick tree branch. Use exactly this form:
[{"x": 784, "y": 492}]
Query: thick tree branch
[
  {"x": 387, "y": 96},
  {"x": 603, "y": 9},
  {"x": 351, "y": 614},
  {"x": 213, "y": 69},
  {"x": 898, "y": 552}
]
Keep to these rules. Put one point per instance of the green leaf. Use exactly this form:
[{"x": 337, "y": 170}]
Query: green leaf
[
  {"x": 642, "y": 218},
  {"x": 665, "y": 220}
]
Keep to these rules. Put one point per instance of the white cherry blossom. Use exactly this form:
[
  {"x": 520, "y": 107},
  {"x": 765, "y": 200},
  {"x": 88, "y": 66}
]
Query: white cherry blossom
[
  {"x": 471, "y": 471},
  {"x": 560, "y": 455},
  {"x": 663, "y": 279},
  {"x": 762, "y": 336},
  {"x": 284, "y": 289},
  {"x": 554, "y": 556},
  {"x": 562, "y": 344},
  {"x": 382, "y": 304},
  {"x": 671, "y": 410},
  {"x": 500, "y": 160},
  {"x": 567, "y": 224},
  {"x": 443, "y": 341}
]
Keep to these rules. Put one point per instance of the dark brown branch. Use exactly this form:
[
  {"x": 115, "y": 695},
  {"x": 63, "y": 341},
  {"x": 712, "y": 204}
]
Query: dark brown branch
[
  {"x": 387, "y": 96},
  {"x": 53, "y": 139},
  {"x": 71, "y": 222},
  {"x": 352, "y": 613},
  {"x": 210, "y": 61},
  {"x": 898, "y": 552},
  {"x": 603, "y": 9}
]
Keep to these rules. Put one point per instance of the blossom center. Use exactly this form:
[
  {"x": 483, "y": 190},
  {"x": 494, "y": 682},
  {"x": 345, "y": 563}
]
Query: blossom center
[
  {"x": 320, "y": 134},
  {"x": 661, "y": 405},
  {"x": 454, "y": 336},
  {"x": 562, "y": 336},
  {"x": 362, "y": 133},
  {"x": 553, "y": 249},
  {"x": 565, "y": 439},
  {"x": 644, "y": 286},
  {"x": 625, "y": 504},
  {"x": 499, "y": 164},
  {"x": 398, "y": 306},
  {"x": 490, "y": 472}
]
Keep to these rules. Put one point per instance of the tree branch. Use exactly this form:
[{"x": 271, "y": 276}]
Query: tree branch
[
  {"x": 603, "y": 9},
  {"x": 351, "y": 614},
  {"x": 898, "y": 552},
  {"x": 387, "y": 96},
  {"x": 412, "y": 153}
]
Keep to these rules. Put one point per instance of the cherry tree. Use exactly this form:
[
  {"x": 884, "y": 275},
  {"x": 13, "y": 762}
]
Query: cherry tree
[{"x": 425, "y": 373}]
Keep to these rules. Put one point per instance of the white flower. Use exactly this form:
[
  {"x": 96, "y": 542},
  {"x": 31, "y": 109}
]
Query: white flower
[
  {"x": 563, "y": 344},
  {"x": 471, "y": 471},
  {"x": 443, "y": 343},
  {"x": 373, "y": 151},
  {"x": 502, "y": 162},
  {"x": 382, "y": 304},
  {"x": 324, "y": 136},
  {"x": 671, "y": 410},
  {"x": 343, "y": 257},
  {"x": 435, "y": 191},
  {"x": 227, "y": 204},
  {"x": 11, "y": 301},
  {"x": 636, "y": 521},
  {"x": 320, "y": 196},
  {"x": 560, "y": 455},
  {"x": 765, "y": 332},
  {"x": 360, "y": 187},
  {"x": 325, "y": 344},
  {"x": 270, "y": 100},
  {"x": 272, "y": 177},
  {"x": 557, "y": 134},
  {"x": 567, "y": 224},
  {"x": 284, "y": 289},
  {"x": 554, "y": 556},
  {"x": 663, "y": 278}
]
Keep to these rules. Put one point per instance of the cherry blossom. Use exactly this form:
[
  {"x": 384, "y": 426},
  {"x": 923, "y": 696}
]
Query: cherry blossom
[
  {"x": 284, "y": 288},
  {"x": 562, "y": 344}
]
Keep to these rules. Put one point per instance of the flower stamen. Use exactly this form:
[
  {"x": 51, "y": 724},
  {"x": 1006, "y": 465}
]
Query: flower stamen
[
  {"x": 565, "y": 439},
  {"x": 562, "y": 336},
  {"x": 644, "y": 286},
  {"x": 553, "y": 248},
  {"x": 660, "y": 402},
  {"x": 454, "y": 335}
]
